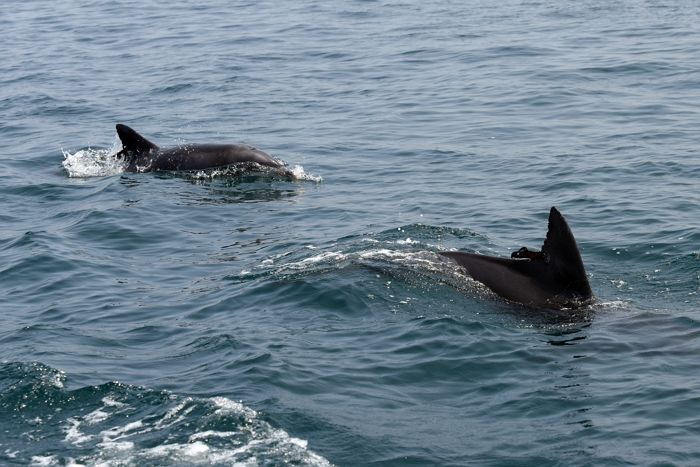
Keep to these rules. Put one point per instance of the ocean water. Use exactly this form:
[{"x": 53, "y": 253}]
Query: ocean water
[{"x": 242, "y": 319}]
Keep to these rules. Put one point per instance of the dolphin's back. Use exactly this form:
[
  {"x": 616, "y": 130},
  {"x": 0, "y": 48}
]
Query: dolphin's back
[
  {"x": 143, "y": 155},
  {"x": 203, "y": 156},
  {"x": 554, "y": 277},
  {"x": 513, "y": 279}
]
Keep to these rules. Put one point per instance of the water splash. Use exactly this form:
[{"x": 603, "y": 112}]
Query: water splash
[
  {"x": 254, "y": 169},
  {"x": 91, "y": 162},
  {"x": 300, "y": 174}
]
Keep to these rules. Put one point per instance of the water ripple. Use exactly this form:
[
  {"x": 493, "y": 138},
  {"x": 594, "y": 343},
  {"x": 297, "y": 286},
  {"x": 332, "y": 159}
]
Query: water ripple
[{"x": 322, "y": 303}]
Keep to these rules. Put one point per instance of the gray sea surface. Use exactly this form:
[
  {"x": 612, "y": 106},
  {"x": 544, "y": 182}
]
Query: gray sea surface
[{"x": 220, "y": 318}]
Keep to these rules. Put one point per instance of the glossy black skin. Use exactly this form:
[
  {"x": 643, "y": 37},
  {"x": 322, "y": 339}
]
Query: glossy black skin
[
  {"x": 554, "y": 277},
  {"x": 143, "y": 156},
  {"x": 204, "y": 156}
]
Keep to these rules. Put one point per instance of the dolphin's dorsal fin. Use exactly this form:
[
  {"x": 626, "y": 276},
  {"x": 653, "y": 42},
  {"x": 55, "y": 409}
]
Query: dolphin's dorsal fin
[
  {"x": 134, "y": 142},
  {"x": 561, "y": 253},
  {"x": 560, "y": 241}
]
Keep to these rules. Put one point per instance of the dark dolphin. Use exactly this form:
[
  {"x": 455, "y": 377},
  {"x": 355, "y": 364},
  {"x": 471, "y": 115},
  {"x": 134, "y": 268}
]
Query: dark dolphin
[
  {"x": 553, "y": 277},
  {"x": 143, "y": 156}
]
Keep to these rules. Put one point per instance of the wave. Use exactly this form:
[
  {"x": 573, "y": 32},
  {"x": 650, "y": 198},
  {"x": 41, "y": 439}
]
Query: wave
[{"x": 117, "y": 424}]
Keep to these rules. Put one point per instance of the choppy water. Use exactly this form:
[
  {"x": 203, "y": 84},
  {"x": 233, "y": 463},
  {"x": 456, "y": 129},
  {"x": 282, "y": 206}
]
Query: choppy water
[{"x": 153, "y": 319}]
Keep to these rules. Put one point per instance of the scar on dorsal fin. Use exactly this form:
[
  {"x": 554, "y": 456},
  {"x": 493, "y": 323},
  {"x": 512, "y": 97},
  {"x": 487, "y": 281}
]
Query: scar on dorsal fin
[
  {"x": 558, "y": 243},
  {"x": 525, "y": 253},
  {"x": 133, "y": 142}
]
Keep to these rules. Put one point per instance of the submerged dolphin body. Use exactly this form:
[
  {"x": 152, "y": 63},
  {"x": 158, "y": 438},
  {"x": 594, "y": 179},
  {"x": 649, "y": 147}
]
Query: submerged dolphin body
[
  {"x": 142, "y": 155},
  {"x": 554, "y": 277}
]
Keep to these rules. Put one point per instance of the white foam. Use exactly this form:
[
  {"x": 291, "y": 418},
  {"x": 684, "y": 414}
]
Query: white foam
[
  {"x": 423, "y": 259},
  {"x": 306, "y": 263},
  {"x": 243, "y": 445},
  {"x": 212, "y": 434},
  {"x": 191, "y": 451},
  {"x": 92, "y": 163},
  {"x": 38, "y": 461},
  {"x": 119, "y": 432},
  {"x": 405, "y": 241},
  {"x": 209, "y": 174},
  {"x": 614, "y": 304},
  {"x": 109, "y": 402},
  {"x": 300, "y": 174},
  {"x": 419, "y": 260},
  {"x": 73, "y": 433},
  {"x": 297, "y": 172},
  {"x": 325, "y": 257},
  {"x": 111, "y": 445},
  {"x": 175, "y": 415},
  {"x": 96, "y": 416},
  {"x": 227, "y": 406},
  {"x": 54, "y": 378},
  {"x": 302, "y": 443}
]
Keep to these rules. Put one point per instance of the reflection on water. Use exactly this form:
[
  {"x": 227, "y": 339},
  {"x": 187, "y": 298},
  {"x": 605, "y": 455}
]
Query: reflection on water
[
  {"x": 571, "y": 334},
  {"x": 234, "y": 193},
  {"x": 219, "y": 189},
  {"x": 232, "y": 188}
]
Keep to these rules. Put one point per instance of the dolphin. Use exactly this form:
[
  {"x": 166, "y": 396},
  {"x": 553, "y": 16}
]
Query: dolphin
[
  {"x": 142, "y": 155},
  {"x": 551, "y": 278}
]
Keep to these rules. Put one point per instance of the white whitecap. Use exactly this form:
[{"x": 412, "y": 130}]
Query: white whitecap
[
  {"x": 40, "y": 461},
  {"x": 73, "y": 434},
  {"x": 116, "y": 443}
]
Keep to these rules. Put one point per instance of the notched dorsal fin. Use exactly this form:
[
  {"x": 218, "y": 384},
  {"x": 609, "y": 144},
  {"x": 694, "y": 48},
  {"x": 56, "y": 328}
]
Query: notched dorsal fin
[
  {"x": 562, "y": 253},
  {"x": 132, "y": 141},
  {"x": 560, "y": 241}
]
